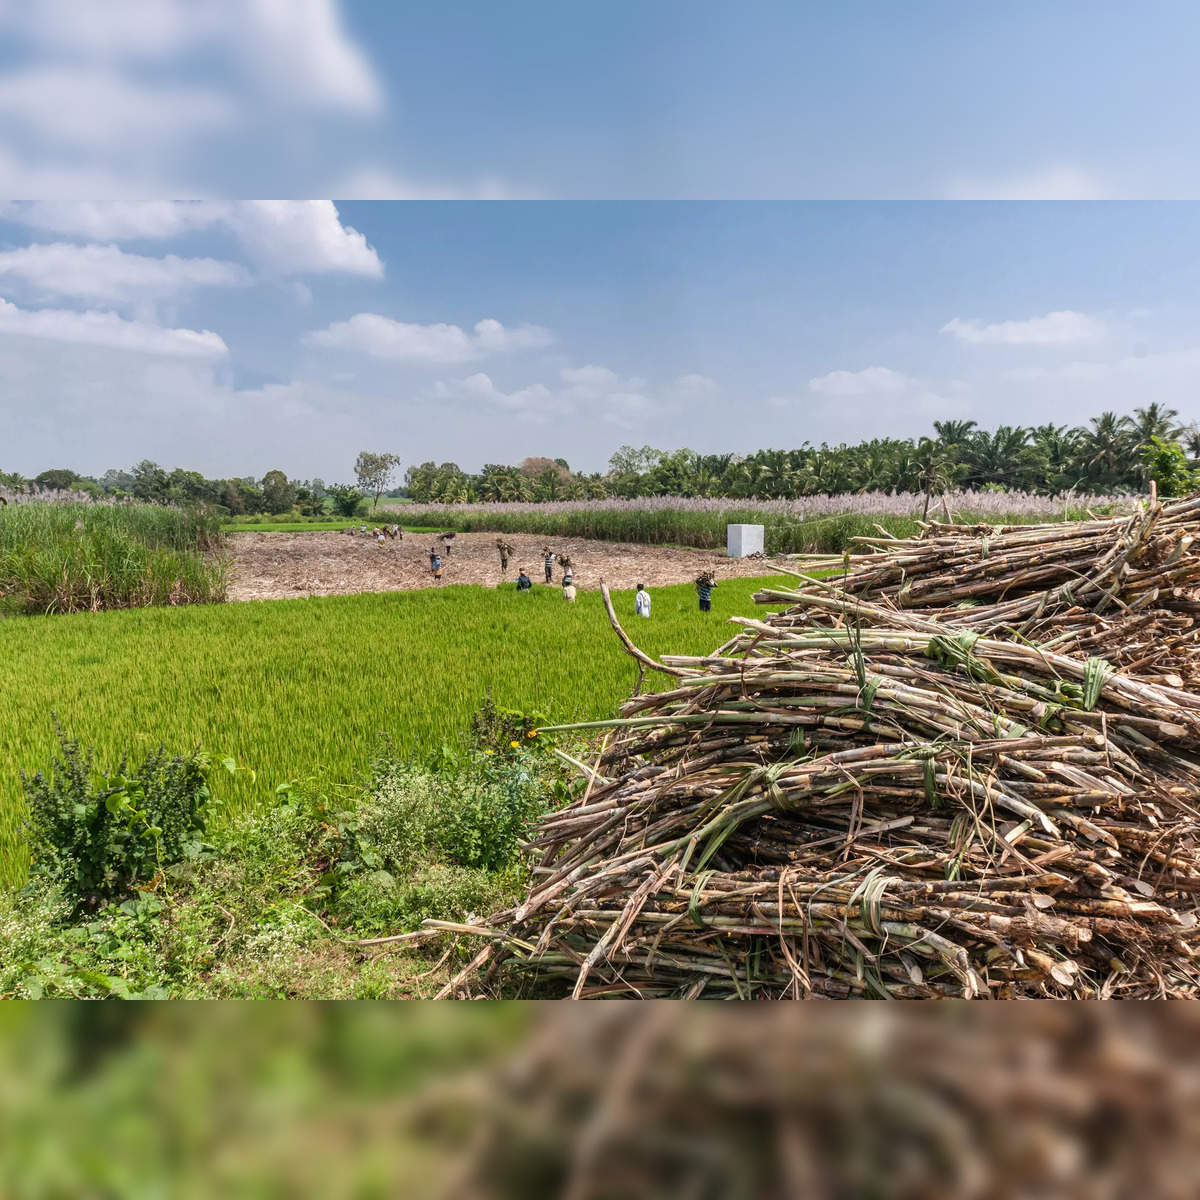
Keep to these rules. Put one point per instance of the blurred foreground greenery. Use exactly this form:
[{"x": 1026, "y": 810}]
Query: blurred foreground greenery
[{"x": 272, "y": 1099}]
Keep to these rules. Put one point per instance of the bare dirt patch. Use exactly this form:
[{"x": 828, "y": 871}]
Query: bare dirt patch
[{"x": 272, "y": 566}]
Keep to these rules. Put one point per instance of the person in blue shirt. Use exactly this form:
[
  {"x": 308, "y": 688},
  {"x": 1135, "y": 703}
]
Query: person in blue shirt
[
  {"x": 435, "y": 562},
  {"x": 704, "y": 589},
  {"x": 524, "y": 583}
]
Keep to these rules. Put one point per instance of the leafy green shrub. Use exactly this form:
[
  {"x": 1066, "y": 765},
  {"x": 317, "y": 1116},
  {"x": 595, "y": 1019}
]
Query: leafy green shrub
[
  {"x": 476, "y": 817},
  {"x": 100, "y": 835},
  {"x": 1167, "y": 464},
  {"x": 376, "y": 902}
]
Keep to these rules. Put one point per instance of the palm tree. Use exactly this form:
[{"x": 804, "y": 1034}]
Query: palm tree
[
  {"x": 1155, "y": 420},
  {"x": 1001, "y": 457},
  {"x": 1057, "y": 451},
  {"x": 1108, "y": 446},
  {"x": 935, "y": 469},
  {"x": 954, "y": 433}
]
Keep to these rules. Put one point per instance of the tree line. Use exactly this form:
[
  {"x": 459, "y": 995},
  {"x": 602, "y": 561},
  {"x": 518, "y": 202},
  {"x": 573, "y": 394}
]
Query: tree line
[{"x": 1111, "y": 454}]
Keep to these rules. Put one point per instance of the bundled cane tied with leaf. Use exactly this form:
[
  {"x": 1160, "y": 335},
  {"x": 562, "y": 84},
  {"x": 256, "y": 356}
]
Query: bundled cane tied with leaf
[{"x": 858, "y": 796}]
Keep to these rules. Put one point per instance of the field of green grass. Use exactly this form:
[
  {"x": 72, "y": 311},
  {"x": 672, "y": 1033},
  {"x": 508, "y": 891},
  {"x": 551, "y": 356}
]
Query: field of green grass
[{"x": 302, "y": 689}]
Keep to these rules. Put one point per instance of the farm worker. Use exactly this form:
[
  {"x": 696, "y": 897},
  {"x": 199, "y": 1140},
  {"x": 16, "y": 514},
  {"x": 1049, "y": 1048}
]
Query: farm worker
[
  {"x": 704, "y": 588},
  {"x": 641, "y": 601},
  {"x": 504, "y": 548},
  {"x": 548, "y": 562},
  {"x": 524, "y": 583},
  {"x": 435, "y": 562},
  {"x": 568, "y": 589}
]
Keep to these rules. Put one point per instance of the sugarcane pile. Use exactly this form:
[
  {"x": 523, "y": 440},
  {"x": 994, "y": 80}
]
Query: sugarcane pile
[
  {"x": 855, "y": 798},
  {"x": 1124, "y": 587},
  {"x": 908, "y": 1103}
]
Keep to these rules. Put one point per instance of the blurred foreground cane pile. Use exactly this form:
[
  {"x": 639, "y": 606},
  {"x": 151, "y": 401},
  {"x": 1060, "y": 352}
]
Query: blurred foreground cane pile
[
  {"x": 911, "y": 1103},
  {"x": 879, "y": 792}
]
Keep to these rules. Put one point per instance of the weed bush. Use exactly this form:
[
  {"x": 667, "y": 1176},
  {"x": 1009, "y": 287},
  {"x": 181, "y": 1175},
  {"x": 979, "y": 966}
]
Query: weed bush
[{"x": 100, "y": 834}]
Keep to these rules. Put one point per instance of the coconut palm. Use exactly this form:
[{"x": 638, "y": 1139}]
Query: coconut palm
[
  {"x": 1108, "y": 447},
  {"x": 1155, "y": 420}
]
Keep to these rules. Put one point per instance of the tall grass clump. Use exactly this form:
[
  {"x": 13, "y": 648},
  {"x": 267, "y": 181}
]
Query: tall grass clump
[
  {"x": 78, "y": 557},
  {"x": 804, "y": 525}
]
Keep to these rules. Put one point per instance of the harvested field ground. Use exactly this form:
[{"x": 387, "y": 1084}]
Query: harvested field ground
[{"x": 272, "y": 566}]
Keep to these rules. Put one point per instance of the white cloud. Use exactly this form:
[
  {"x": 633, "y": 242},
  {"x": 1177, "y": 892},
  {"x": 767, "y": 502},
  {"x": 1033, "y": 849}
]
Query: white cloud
[
  {"x": 590, "y": 381},
  {"x": 300, "y": 51},
  {"x": 164, "y": 97},
  {"x": 98, "y": 109},
  {"x": 694, "y": 387},
  {"x": 1054, "y": 329},
  {"x": 300, "y": 237},
  {"x": 108, "y": 274},
  {"x": 382, "y": 337},
  {"x": 871, "y": 381},
  {"x": 589, "y": 391},
  {"x": 535, "y": 404},
  {"x": 1063, "y": 182},
  {"x": 109, "y": 330},
  {"x": 119, "y": 220},
  {"x": 491, "y": 336},
  {"x": 627, "y": 410},
  {"x": 282, "y": 237},
  {"x": 296, "y": 52},
  {"x": 372, "y": 182}
]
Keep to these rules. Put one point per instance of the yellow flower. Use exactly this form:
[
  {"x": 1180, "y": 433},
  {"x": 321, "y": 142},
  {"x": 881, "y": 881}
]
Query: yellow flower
[
  {"x": 515, "y": 745},
  {"x": 532, "y": 733},
  {"x": 489, "y": 752}
]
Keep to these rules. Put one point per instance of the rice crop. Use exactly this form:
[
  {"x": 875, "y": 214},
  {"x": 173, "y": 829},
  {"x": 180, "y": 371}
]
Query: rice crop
[
  {"x": 302, "y": 688},
  {"x": 804, "y": 525},
  {"x": 75, "y": 556}
]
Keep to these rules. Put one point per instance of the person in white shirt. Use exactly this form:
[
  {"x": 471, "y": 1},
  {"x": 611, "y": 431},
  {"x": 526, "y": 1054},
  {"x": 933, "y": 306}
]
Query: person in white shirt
[{"x": 641, "y": 601}]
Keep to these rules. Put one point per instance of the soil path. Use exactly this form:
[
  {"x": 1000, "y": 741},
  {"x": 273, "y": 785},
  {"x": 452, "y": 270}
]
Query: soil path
[{"x": 271, "y": 566}]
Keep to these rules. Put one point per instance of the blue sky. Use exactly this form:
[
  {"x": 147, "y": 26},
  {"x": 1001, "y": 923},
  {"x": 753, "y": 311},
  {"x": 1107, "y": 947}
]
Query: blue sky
[
  {"x": 235, "y": 337},
  {"x": 664, "y": 99}
]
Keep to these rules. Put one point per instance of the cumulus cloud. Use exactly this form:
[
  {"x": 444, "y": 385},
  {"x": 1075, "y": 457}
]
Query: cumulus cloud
[
  {"x": 535, "y": 404},
  {"x": 491, "y": 336},
  {"x": 871, "y": 381},
  {"x": 1060, "y": 182},
  {"x": 590, "y": 391},
  {"x": 694, "y": 386},
  {"x": 1054, "y": 329},
  {"x": 383, "y": 337},
  {"x": 295, "y": 52},
  {"x": 150, "y": 94},
  {"x": 109, "y": 330},
  {"x": 100, "y": 109},
  {"x": 300, "y": 237},
  {"x": 109, "y": 274},
  {"x": 894, "y": 403},
  {"x": 282, "y": 237}
]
